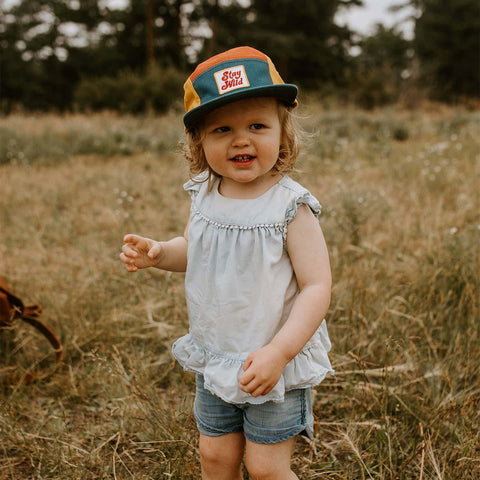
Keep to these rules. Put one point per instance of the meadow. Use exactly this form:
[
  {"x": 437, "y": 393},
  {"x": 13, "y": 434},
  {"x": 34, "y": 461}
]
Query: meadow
[{"x": 401, "y": 216}]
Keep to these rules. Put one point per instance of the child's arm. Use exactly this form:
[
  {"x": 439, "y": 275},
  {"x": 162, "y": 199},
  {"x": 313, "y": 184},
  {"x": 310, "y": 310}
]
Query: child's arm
[
  {"x": 141, "y": 252},
  {"x": 308, "y": 253}
]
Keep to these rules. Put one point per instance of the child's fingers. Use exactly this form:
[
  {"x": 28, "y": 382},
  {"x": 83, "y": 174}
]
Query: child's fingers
[
  {"x": 257, "y": 390},
  {"x": 253, "y": 387},
  {"x": 155, "y": 251},
  {"x": 128, "y": 251},
  {"x": 260, "y": 390},
  {"x": 135, "y": 239},
  {"x": 131, "y": 268},
  {"x": 246, "y": 377},
  {"x": 132, "y": 238},
  {"x": 129, "y": 263},
  {"x": 247, "y": 363}
]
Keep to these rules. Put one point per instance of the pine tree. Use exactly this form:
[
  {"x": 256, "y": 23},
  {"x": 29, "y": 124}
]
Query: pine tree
[
  {"x": 300, "y": 36},
  {"x": 303, "y": 39},
  {"x": 447, "y": 42}
]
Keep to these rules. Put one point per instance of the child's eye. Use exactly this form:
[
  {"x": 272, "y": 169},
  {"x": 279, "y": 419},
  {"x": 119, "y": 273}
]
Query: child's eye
[
  {"x": 221, "y": 129},
  {"x": 257, "y": 126}
]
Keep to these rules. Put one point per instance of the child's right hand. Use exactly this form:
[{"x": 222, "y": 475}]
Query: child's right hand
[{"x": 140, "y": 252}]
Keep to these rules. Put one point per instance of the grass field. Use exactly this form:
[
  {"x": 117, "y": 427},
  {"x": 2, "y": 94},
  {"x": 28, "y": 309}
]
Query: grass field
[{"x": 400, "y": 191}]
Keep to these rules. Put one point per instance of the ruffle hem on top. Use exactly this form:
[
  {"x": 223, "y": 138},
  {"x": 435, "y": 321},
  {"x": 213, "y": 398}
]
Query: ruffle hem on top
[{"x": 309, "y": 367}]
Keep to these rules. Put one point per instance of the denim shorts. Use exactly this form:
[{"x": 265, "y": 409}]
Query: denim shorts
[{"x": 269, "y": 422}]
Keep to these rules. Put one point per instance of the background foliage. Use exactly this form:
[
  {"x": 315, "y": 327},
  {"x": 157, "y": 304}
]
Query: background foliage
[{"x": 53, "y": 51}]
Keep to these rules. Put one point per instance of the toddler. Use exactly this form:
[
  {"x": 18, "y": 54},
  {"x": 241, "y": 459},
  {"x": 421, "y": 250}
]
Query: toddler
[{"x": 257, "y": 270}]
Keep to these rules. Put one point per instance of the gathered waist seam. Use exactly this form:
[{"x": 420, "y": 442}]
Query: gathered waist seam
[{"x": 241, "y": 358}]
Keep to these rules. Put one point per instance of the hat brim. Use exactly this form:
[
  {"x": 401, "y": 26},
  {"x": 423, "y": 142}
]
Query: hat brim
[{"x": 286, "y": 93}]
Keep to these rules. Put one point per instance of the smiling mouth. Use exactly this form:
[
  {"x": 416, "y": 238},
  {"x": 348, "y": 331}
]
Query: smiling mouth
[{"x": 242, "y": 158}]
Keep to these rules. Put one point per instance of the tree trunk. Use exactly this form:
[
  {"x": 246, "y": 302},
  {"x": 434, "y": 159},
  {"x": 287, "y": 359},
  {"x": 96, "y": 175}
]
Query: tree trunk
[{"x": 150, "y": 34}]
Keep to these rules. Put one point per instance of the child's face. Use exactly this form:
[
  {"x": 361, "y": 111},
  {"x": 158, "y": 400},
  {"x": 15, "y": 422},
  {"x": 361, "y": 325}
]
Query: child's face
[{"x": 241, "y": 142}]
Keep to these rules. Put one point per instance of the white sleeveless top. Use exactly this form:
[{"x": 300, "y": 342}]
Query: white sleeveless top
[{"x": 240, "y": 287}]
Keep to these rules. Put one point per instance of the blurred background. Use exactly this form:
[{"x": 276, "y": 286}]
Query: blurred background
[{"x": 133, "y": 55}]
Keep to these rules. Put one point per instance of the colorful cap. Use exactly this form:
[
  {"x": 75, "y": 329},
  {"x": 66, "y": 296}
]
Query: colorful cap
[{"x": 238, "y": 73}]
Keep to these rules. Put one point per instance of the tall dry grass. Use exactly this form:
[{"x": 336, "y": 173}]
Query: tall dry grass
[{"x": 400, "y": 191}]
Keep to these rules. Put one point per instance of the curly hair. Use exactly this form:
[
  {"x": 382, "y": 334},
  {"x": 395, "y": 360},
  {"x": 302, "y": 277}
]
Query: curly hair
[{"x": 287, "y": 155}]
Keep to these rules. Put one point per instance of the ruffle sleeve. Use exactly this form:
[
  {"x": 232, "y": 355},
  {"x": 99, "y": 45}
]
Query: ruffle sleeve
[
  {"x": 304, "y": 197},
  {"x": 194, "y": 185}
]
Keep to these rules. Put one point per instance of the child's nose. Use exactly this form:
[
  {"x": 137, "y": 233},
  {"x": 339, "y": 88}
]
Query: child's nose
[{"x": 241, "y": 141}]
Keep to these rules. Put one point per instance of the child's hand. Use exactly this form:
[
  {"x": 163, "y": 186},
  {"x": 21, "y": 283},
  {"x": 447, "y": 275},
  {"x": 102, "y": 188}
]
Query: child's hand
[
  {"x": 262, "y": 370},
  {"x": 140, "y": 252}
]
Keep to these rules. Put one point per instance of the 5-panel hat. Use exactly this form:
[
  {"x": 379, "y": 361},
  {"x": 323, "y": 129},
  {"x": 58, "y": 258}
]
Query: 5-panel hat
[{"x": 238, "y": 73}]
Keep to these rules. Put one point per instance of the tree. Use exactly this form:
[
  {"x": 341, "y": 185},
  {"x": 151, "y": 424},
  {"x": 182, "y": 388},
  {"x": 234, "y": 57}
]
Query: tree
[
  {"x": 47, "y": 46},
  {"x": 382, "y": 67},
  {"x": 299, "y": 35},
  {"x": 32, "y": 49},
  {"x": 303, "y": 39},
  {"x": 217, "y": 26},
  {"x": 447, "y": 42}
]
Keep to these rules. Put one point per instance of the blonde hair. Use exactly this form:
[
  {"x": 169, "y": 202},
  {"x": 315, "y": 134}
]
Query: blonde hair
[{"x": 287, "y": 155}]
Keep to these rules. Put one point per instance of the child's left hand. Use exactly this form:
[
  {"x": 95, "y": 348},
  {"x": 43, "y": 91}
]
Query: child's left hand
[{"x": 262, "y": 370}]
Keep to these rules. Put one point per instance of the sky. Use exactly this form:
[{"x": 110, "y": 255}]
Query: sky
[{"x": 363, "y": 19}]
